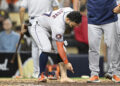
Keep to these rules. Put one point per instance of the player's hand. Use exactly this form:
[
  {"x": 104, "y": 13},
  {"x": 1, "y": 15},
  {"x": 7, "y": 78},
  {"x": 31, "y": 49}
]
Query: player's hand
[
  {"x": 116, "y": 9},
  {"x": 23, "y": 29},
  {"x": 69, "y": 67}
]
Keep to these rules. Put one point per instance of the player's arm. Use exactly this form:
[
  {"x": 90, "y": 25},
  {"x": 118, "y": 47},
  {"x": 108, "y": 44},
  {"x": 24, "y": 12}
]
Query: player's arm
[
  {"x": 78, "y": 3},
  {"x": 75, "y": 5},
  {"x": 63, "y": 55},
  {"x": 61, "y": 51},
  {"x": 117, "y": 9}
]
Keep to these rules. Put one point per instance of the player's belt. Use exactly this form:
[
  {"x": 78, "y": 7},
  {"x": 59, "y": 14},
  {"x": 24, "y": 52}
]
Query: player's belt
[{"x": 32, "y": 17}]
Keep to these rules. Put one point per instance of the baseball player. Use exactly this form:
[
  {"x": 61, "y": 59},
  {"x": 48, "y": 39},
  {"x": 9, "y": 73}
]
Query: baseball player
[
  {"x": 35, "y": 8},
  {"x": 54, "y": 22},
  {"x": 116, "y": 48},
  {"x": 101, "y": 19},
  {"x": 117, "y": 30}
]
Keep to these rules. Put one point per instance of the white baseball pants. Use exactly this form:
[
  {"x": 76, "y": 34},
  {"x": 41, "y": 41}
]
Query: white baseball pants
[{"x": 94, "y": 36}]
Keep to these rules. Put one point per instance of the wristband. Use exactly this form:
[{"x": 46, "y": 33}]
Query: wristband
[{"x": 65, "y": 61}]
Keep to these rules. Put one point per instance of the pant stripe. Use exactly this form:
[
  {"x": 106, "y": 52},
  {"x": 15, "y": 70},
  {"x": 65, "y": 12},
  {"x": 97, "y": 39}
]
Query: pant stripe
[{"x": 37, "y": 34}]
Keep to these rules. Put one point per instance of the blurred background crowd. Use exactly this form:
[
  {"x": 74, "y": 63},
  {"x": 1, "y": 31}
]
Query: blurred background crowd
[{"x": 77, "y": 38}]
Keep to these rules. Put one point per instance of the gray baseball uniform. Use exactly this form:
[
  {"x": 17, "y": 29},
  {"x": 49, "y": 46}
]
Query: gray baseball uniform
[
  {"x": 101, "y": 20},
  {"x": 94, "y": 34},
  {"x": 54, "y": 22},
  {"x": 116, "y": 48},
  {"x": 35, "y": 8}
]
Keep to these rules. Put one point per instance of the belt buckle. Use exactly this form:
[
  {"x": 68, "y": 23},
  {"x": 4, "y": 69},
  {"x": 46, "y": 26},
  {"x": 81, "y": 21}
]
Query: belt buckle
[{"x": 32, "y": 17}]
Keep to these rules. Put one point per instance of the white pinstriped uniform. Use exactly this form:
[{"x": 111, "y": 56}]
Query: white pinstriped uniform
[{"x": 35, "y": 8}]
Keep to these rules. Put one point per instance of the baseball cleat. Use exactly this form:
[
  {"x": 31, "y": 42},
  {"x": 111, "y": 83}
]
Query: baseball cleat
[
  {"x": 115, "y": 78},
  {"x": 42, "y": 78},
  {"x": 94, "y": 79},
  {"x": 51, "y": 77},
  {"x": 35, "y": 75},
  {"x": 108, "y": 76}
]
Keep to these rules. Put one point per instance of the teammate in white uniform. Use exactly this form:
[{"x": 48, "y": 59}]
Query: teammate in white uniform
[
  {"x": 35, "y": 8},
  {"x": 54, "y": 22}
]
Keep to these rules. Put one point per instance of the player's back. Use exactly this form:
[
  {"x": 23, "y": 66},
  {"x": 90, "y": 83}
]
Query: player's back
[
  {"x": 37, "y": 7},
  {"x": 54, "y": 19}
]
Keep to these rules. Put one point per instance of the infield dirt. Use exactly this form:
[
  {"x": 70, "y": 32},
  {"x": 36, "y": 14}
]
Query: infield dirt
[{"x": 34, "y": 82}]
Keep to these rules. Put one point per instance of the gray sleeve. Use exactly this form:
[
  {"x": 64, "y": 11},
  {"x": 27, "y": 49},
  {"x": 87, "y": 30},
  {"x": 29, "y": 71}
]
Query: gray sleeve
[
  {"x": 57, "y": 33},
  {"x": 55, "y": 3},
  {"x": 24, "y": 3}
]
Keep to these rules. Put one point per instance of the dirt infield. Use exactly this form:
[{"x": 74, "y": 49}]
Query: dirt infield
[{"x": 34, "y": 82}]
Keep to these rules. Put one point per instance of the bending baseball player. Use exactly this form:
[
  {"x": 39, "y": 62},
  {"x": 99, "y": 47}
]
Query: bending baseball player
[
  {"x": 35, "y": 8},
  {"x": 39, "y": 8},
  {"x": 54, "y": 22}
]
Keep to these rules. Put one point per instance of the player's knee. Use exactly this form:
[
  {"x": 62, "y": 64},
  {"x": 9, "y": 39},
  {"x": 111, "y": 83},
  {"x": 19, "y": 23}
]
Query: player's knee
[{"x": 93, "y": 48}]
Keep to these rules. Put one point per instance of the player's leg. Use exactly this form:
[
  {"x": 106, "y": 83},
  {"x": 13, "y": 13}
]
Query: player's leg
[
  {"x": 104, "y": 52},
  {"x": 35, "y": 52},
  {"x": 108, "y": 38},
  {"x": 94, "y": 37},
  {"x": 35, "y": 56},
  {"x": 116, "y": 55},
  {"x": 40, "y": 36}
]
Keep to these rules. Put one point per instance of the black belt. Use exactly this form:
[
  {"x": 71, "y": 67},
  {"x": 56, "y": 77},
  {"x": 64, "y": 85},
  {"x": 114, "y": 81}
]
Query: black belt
[{"x": 32, "y": 17}]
